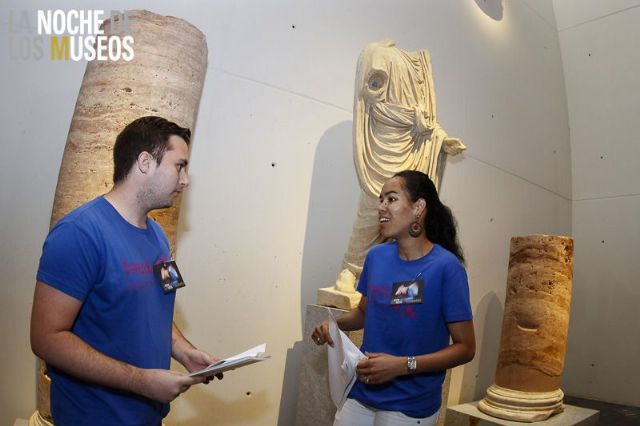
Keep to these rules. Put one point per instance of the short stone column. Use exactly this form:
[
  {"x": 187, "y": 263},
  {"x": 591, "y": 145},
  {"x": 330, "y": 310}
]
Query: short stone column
[{"x": 534, "y": 330}]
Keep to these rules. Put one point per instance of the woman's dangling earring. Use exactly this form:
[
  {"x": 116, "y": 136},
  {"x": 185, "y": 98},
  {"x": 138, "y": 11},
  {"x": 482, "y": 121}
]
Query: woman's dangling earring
[{"x": 415, "y": 228}]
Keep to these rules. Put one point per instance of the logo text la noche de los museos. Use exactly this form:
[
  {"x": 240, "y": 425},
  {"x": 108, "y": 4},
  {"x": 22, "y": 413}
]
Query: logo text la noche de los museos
[{"x": 76, "y": 35}]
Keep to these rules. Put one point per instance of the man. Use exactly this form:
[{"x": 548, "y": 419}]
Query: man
[{"x": 101, "y": 319}]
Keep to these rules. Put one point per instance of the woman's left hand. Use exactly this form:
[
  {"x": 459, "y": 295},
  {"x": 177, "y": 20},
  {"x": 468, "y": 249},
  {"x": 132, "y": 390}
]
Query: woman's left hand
[{"x": 379, "y": 368}]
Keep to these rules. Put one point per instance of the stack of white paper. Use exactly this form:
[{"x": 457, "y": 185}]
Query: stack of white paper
[{"x": 247, "y": 357}]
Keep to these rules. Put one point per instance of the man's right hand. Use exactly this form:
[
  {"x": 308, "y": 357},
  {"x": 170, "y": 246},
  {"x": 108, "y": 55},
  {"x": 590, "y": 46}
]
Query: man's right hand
[
  {"x": 162, "y": 385},
  {"x": 52, "y": 317}
]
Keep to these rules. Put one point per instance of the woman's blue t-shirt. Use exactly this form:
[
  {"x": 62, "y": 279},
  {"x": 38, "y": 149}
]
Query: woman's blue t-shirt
[{"x": 410, "y": 329}]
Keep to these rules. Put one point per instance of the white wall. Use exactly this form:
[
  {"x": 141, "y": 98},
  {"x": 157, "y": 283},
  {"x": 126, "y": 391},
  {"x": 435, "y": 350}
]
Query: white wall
[
  {"x": 599, "y": 42},
  {"x": 257, "y": 240}
]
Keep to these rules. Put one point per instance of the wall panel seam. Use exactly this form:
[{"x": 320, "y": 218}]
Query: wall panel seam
[
  {"x": 518, "y": 176},
  {"x": 608, "y": 197},
  {"x": 599, "y": 17},
  {"x": 281, "y": 89}
]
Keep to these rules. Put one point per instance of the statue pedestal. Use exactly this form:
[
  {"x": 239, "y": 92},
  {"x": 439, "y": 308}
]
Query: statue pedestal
[
  {"x": 469, "y": 414},
  {"x": 329, "y": 296}
]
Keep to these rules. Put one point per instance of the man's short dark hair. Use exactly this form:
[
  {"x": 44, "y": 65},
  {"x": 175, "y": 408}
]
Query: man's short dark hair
[{"x": 150, "y": 134}]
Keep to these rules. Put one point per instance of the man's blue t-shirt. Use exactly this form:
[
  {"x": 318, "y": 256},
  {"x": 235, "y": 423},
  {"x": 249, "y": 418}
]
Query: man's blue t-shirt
[
  {"x": 410, "y": 329},
  {"x": 97, "y": 257}
]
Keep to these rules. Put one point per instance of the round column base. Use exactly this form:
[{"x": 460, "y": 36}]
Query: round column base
[{"x": 521, "y": 406}]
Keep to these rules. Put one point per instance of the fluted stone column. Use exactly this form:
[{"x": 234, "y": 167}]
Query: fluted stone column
[
  {"x": 534, "y": 330},
  {"x": 165, "y": 78}
]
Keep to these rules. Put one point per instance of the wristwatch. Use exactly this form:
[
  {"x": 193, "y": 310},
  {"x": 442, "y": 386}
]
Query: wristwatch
[{"x": 412, "y": 364}]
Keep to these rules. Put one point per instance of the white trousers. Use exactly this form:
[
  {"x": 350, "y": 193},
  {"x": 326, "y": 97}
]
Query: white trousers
[{"x": 353, "y": 413}]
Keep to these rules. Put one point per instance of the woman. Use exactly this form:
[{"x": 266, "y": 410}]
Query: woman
[{"x": 406, "y": 339}]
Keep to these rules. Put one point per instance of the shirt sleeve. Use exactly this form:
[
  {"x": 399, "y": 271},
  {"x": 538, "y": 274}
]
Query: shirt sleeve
[
  {"x": 363, "y": 281},
  {"x": 70, "y": 261},
  {"x": 455, "y": 300}
]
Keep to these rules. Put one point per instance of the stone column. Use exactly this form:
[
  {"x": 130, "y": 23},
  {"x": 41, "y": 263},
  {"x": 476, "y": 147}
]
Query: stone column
[
  {"x": 165, "y": 78},
  {"x": 534, "y": 330}
]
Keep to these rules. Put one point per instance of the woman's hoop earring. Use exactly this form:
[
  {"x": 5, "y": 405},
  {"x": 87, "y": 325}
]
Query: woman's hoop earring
[{"x": 415, "y": 228}]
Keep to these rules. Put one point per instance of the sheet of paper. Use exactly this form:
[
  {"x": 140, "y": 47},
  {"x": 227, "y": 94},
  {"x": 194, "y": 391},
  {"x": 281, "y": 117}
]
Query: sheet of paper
[
  {"x": 229, "y": 365},
  {"x": 255, "y": 351},
  {"x": 343, "y": 358},
  {"x": 250, "y": 356}
]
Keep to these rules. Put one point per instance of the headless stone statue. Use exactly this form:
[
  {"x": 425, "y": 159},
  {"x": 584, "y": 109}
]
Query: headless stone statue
[{"x": 394, "y": 129}]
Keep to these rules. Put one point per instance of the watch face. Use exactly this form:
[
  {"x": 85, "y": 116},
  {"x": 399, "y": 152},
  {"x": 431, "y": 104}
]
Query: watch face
[{"x": 412, "y": 363}]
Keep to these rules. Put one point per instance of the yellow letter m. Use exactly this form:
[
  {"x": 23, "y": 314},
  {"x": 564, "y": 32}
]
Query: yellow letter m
[{"x": 59, "y": 49}]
